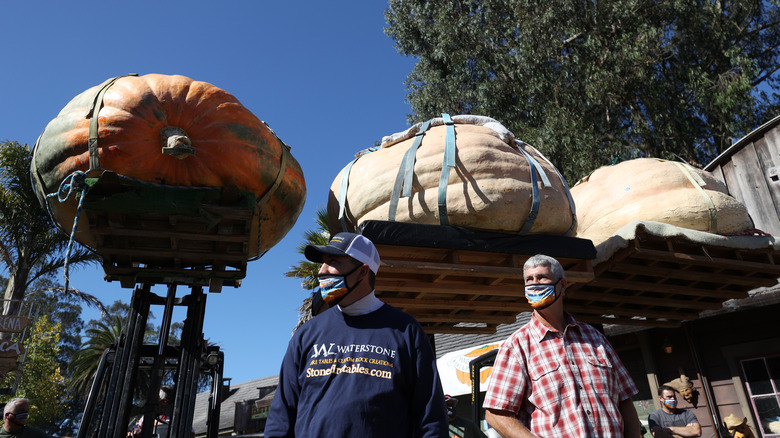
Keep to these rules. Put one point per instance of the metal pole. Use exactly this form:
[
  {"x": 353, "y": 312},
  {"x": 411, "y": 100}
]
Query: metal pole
[
  {"x": 215, "y": 400},
  {"x": 705, "y": 386},
  {"x": 158, "y": 366},
  {"x": 89, "y": 408}
]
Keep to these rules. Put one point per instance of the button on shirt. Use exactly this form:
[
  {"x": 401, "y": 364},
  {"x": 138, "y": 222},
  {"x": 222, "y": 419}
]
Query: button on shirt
[{"x": 560, "y": 384}]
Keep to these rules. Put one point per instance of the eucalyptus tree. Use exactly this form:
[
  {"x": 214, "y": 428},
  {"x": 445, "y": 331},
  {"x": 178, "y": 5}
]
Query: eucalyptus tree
[{"x": 588, "y": 82}]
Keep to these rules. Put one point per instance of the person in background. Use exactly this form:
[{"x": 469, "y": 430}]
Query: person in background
[
  {"x": 162, "y": 416},
  {"x": 557, "y": 377},
  {"x": 362, "y": 368},
  {"x": 459, "y": 426},
  {"x": 15, "y": 416},
  {"x": 670, "y": 421}
]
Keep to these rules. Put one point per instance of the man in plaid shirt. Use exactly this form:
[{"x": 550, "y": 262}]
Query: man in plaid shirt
[{"x": 556, "y": 377}]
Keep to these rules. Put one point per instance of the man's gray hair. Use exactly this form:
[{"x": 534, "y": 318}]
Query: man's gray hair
[
  {"x": 544, "y": 260},
  {"x": 12, "y": 404}
]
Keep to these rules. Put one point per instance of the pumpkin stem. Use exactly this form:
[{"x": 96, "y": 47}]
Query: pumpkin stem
[{"x": 176, "y": 143}]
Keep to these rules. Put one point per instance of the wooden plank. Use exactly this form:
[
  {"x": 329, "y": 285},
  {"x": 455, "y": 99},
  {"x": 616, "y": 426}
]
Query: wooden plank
[
  {"x": 410, "y": 303},
  {"x": 412, "y": 267},
  {"x": 617, "y": 297},
  {"x": 731, "y": 175},
  {"x": 769, "y": 160},
  {"x": 489, "y": 330},
  {"x": 449, "y": 288},
  {"x": 680, "y": 274},
  {"x": 715, "y": 263},
  {"x": 755, "y": 192},
  {"x": 456, "y": 318},
  {"x": 162, "y": 254},
  {"x": 622, "y": 311},
  {"x": 667, "y": 289},
  {"x": 717, "y": 173},
  {"x": 591, "y": 319},
  {"x": 128, "y": 232}
]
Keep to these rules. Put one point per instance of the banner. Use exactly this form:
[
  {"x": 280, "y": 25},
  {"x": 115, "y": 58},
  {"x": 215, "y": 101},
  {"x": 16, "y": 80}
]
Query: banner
[{"x": 454, "y": 369}]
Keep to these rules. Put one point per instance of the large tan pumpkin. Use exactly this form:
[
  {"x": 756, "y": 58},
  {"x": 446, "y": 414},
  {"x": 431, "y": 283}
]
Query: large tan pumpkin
[
  {"x": 489, "y": 187},
  {"x": 655, "y": 190}
]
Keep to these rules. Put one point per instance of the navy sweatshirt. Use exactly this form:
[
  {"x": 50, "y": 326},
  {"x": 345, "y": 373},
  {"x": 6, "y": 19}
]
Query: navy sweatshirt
[{"x": 370, "y": 375}]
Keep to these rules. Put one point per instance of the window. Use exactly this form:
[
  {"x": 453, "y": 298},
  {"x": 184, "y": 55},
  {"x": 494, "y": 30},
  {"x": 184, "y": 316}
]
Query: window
[{"x": 762, "y": 378}]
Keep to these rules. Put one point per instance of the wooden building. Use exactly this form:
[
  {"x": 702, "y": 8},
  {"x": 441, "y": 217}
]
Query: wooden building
[{"x": 751, "y": 170}]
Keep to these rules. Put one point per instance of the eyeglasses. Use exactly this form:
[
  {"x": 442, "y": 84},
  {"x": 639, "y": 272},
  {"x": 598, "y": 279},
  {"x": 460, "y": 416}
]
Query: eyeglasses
[{"x": 21, "y": 416}]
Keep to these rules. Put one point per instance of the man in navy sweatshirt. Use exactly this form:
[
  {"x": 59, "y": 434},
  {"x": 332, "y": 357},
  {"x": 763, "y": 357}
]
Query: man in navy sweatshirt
[{"x": 362, "y": 368}]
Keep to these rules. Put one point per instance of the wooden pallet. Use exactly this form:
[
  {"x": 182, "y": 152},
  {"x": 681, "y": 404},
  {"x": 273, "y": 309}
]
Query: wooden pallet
[
  {"x": 141, "y": 244},
  {"x": 661, "y": 282},
  {"x": 452, "y": 290},
  {"x": 654, "y": 282}
]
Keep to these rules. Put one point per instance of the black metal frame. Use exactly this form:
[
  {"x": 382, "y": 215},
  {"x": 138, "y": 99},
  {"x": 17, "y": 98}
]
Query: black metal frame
[
  {"x": 112, "y": 390},
  {"x": 475, "y": 366}
]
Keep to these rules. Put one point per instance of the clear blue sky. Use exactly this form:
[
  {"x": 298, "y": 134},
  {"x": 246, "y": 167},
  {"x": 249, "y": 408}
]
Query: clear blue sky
[{"x": 322, "y": 74}]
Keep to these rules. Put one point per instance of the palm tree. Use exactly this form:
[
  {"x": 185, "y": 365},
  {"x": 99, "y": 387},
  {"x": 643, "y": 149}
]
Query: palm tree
[
  {"x": 307, "y": 270},
  {"x": 31, "y": 246},
  {"x": 84, "y": 363}
]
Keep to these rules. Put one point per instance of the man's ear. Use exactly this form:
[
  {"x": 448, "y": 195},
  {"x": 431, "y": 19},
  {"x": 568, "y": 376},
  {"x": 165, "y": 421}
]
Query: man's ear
[{"x": 564, "y": 284}]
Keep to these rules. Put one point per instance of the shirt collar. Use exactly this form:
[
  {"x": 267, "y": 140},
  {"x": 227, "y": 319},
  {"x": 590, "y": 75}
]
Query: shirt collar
[
  {"x": 363, "y": 306},
  {"x": 539, "y": 331}
]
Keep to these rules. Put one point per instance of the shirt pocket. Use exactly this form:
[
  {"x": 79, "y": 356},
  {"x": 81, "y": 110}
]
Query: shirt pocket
[
  {"x": 599, "y": 370},
  {"x": 546, "y": 383}
]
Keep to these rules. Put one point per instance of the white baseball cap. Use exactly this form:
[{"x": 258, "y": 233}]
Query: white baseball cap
[{"x": 346, "y": 244}]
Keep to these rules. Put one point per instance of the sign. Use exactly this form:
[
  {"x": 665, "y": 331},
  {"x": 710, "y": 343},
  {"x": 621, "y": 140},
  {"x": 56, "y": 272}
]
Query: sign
[
  {"x": 13, "y": 323},
  {"x": 259, "y": 412},
  {"x": 10, "y": 349},
  {"x": 454, "y": 369},
  {"x": 7, "y": 364}
]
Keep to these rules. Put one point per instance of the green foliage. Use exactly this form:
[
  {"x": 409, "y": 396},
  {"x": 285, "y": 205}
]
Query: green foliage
[
  {"x": 84, "y": 363},
  {"x": 306, "y": 270},
  {"x": 31, "y": 246},
  {"x": 42, "y": 380},
  {"x": 588, "y": 81}
]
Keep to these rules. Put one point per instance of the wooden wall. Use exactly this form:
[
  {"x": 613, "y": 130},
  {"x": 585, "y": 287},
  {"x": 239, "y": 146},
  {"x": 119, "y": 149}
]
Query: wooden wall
[{"x": 751, "y": 170}]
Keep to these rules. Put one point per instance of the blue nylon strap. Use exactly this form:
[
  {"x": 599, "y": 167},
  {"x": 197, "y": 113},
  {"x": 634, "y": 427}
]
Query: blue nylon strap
[
  {"x": 409, "y": 160},
  {"x": 405, "y": 175},
  {"x": 532, "y": 164},
  {"x": 447, "y": 164},
  {"x": 565, "y": 186},
  {"x": 344, "y": 185}
]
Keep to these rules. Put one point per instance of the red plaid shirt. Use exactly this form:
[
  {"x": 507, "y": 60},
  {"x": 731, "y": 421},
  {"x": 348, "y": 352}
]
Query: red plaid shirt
[{"x": 560, "y": 384}]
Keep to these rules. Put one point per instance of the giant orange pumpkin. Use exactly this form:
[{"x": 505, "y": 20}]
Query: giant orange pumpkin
[{"x": 173, "y": 131}]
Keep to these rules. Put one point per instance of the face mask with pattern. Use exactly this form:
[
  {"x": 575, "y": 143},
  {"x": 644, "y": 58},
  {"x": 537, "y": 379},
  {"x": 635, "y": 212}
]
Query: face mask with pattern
[
  {"x": 20, "y": 419},
  {"x": 333, "y": 287},
  {"x": 540, "y": 296},
  {"x": 671, "y": 403}
]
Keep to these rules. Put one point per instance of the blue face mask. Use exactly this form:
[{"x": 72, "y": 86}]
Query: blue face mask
[
  {"x": 21, "y": 418},
  {"x": 541, "y": 296},
  {"x": 333, "y": 287},
  {"x": 671, "y": 403}
]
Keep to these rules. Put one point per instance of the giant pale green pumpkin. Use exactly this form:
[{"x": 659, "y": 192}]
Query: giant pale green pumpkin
[
  {"x": 494, "y": 182},
  {"x": 649, "y": 189},
  {"x": 171, "y": 131}
]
